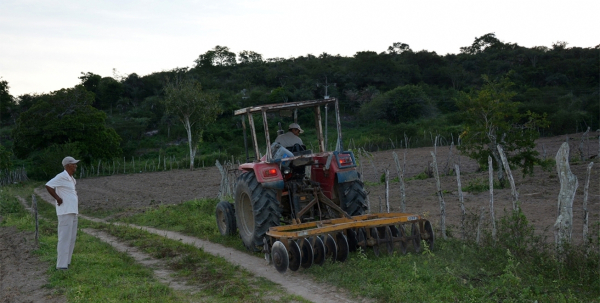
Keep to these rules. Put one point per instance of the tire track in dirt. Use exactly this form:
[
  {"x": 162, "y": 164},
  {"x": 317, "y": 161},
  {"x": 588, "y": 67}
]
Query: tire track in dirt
[
  {"x": 161, "y": 272},
  {"x": 294, "y": 282}
]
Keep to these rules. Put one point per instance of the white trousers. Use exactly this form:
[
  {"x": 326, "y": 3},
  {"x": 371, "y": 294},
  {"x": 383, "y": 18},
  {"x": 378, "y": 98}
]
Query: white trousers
[{"x": 67, "y": 232}]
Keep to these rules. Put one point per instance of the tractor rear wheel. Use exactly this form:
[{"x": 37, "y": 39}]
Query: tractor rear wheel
[
  {"x": 256, "y": 210},
  {"x": 353, "y": 197}
]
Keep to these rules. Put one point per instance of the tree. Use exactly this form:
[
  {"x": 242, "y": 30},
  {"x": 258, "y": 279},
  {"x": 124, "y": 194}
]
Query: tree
[
  {"x": 8, "y": 105},
  {"x": 491, "y": 118},
  {"x": 194, "y": 108},
  {"x": 218, "y": 56},
  {"x": 65, "y": 116},
  {"x": 108, "y": 93},
  {"x": 398, "y": 48},
  {"x": 90, "y": 81},
  {"x": 481, "y": 43},
  {"x": 5, "y": 162},
  {"x": 402, "y": 104},
  {"x": 250, "y": 57}
]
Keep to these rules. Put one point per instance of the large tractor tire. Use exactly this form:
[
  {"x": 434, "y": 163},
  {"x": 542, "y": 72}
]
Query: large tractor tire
[
  {"x": 225, "y": 214},
  {"x": 353, "y": 197},
  {"x": 256, "y": 210}
]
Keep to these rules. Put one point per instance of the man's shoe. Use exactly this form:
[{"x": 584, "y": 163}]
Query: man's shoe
[{"x": 62, "y": 268}]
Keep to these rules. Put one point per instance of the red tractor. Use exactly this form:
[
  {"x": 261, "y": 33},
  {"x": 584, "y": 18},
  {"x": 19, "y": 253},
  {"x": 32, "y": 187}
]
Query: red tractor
[{"x": 302, "y": 206}]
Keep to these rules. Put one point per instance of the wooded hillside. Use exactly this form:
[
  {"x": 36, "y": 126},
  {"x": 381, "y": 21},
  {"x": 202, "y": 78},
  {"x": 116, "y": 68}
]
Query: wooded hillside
[{"x": 383, "y": 96}]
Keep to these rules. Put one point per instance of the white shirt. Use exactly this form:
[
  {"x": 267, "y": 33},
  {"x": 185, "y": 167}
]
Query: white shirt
[
  {"x": 288, "y": 139},
  {"x": 64, "y": 185}
]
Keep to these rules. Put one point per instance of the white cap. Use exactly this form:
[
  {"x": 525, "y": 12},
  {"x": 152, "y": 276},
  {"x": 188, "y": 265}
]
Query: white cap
[
  {"x": 295, "y": 125},
  {"x": 69, "y": 160}
]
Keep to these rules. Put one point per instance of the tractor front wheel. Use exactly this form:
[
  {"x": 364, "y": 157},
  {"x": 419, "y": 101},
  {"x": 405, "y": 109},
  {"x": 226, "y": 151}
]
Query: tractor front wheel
[
  {"x": 225, "y": 214},
  {"x": 353, "y": 197},
  {"x": 256, "y": 210}
]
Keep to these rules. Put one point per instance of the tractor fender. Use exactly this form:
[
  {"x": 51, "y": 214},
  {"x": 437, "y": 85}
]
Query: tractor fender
[
  {"x": 346, "y": 176},
  {"x": 267, "y": 174}
]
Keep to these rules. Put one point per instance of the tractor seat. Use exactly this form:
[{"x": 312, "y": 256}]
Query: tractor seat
[{"x": 301, "y": 153}]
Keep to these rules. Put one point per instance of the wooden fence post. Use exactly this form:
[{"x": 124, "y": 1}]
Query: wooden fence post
[
  {"x": 585, "y": 200},
  {"x": 387, "y": 189},
  {"x": 568, "y": 185},
  {"x": 35, "y": 212},
  {"x": 461, "y": 201},
  {"x": 581, "y": 155},
  {"x": 400, "y": 172},
  {"x": 492, "y": 216},
  {"x": 224, "y": 185},
  {"x": 515, "y": 194},
  {"x": 440, "y": 196}
]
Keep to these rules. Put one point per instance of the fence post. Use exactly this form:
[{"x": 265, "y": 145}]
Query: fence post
[
  {"x": 492, "y": 216},
  {"x": 35, "y": 212},
  {"x": 515, "y": 194},
  {"x": 387, "y": 190},
  {"x": 585, "y": 200},
  {"x": 568, "y": 186},
  {"x": 400, "y": 172},
  {"x": 224, "y": 185},
  {"x": 440, "y": 196},
  {"x": 461, "y": 200}
]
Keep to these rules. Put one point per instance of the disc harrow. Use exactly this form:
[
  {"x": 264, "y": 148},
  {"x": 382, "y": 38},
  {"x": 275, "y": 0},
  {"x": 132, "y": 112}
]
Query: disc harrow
[{"x": 304, "y": 244}]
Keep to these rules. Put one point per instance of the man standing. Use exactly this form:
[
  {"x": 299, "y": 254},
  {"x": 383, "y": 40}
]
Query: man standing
[
  {"x": 291, "y": 137},
  {"x": 62, "y": 188}
]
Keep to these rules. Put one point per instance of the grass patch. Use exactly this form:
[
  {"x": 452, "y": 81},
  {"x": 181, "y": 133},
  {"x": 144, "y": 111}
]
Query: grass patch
[
  {"x": 97, "y": 274},
  {"x": 195, "y": 218},
  {"x": 479, "y": 185},
  {"x": 217, "y": 280},
  {"x": 518, "y": 267}
]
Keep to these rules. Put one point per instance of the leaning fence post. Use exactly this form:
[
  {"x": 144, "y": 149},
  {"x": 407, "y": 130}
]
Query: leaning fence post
[
  {"x": 440, "y": 196},
  {"x": 492, "y": 216},
  {"x": 224, "y": 185},
  {"x": 515, "y": 194},
  {"x": 585, "y": 200}
]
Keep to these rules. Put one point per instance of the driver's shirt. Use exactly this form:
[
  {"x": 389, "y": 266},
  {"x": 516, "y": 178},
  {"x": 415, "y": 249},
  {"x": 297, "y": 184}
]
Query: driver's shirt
[{"x": 288, "y": 139}]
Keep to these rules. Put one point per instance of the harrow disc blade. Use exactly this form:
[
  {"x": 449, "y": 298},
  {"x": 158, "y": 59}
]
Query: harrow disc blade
[
  {"x": 403, "y": 242},
  {"x": 395, "y": 236},
  {"x": 318, "y": 250},
  {"x": 361, "y": 238},
  {"x": 416, "y": 235},
  {"x": 307, "y": 253},
  {"x": 429, "y": 237},
  {"x": 387, "y": 241},
  {"x": 295, "y": 256},
  {"x": 375, "y": 236},
  {"x": 280, "y": 257},
  {"x": 342, "y": 247},
  {"x": 331, "y": 248},
  {"x": 352, "y": 240}
]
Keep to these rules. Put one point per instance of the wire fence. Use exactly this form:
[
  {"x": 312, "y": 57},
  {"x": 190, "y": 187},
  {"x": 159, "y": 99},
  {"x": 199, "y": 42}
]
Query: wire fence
[{"x": 13, "y": 176}]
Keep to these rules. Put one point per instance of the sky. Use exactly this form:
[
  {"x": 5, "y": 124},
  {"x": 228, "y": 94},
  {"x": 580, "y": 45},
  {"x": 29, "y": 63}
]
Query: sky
[{"x": 46, "y": 45}]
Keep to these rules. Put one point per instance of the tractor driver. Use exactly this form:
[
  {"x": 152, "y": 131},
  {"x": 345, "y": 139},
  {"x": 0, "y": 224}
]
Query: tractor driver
[{"x": 291, "y": 138}]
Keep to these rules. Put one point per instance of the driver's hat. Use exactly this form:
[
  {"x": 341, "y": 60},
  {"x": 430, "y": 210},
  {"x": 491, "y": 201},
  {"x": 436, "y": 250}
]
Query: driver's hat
[{"x": 295, "y": 125}]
